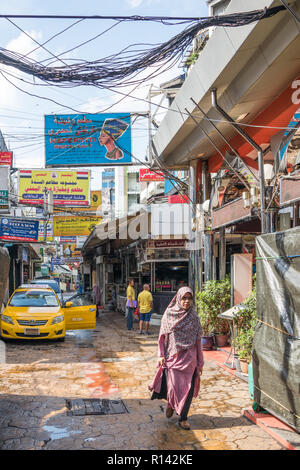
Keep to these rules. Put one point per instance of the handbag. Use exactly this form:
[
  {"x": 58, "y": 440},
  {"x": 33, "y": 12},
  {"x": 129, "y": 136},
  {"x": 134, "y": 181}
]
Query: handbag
[{"x": 137, "y": 312}]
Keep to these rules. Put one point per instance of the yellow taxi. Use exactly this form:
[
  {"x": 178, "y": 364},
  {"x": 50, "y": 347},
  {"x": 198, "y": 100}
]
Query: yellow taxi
[{"x": 35, "y": 312}]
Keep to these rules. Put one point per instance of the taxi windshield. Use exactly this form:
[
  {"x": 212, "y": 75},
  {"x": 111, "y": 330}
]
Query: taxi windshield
[{"x": 34, "y": 299}]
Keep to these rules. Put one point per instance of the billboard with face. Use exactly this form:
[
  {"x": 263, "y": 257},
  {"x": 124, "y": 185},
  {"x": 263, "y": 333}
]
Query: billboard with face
[{"x": 87, "y": 139}]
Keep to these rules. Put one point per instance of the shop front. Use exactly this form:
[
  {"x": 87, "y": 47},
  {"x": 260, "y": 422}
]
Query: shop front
[
  {"x": 163, "y": 264},
  {"x": 112, "y": 260}
]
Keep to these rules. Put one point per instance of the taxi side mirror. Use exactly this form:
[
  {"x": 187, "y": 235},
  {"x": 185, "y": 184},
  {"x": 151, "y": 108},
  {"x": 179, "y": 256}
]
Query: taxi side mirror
[{"x": 68, "y": 304}]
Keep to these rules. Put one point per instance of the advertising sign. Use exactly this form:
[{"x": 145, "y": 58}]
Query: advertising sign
[
  {"x": 87, "y": 139},
  {"x": 64, "y": 226},
  {"x": 70, "y": 239},
  {"x": 49, "y": 231},
  {"x": 174, "y": 243},
  {"x": 178, "y": 199},
  {"x": 6, "y": 158},
  {"x": 60, "y": 261},
  {"x": 70, "y": 250},
  {"x": 4, "y": 187},
  {"x": 95, "y": 203},
  {"x": 56, "y": 262},
  {"x": 149, "y": 175},
  {"x": 70, "y": 188},
  {"x": 23, "y": 230},
  {"x": 291, "y": 153}
]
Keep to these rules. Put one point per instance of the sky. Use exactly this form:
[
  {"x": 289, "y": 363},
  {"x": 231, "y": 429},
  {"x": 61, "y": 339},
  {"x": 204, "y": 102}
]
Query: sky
[{"x": 22, "y": 115}]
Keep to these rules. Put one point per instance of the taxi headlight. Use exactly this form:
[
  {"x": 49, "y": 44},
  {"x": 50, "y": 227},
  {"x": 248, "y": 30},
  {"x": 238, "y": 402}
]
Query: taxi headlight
[
  {"x": 58, "y": 319},
  {"x": 7, "y": 319}
]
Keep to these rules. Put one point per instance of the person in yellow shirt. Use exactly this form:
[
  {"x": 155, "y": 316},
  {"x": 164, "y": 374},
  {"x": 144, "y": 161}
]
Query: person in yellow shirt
[
  {"x": 131, "y": 304},
  {"x": 145, "y": 303}
]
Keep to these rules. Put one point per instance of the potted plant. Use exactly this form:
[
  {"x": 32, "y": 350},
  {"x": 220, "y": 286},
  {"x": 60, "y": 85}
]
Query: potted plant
[
  {"x": 243, "y": 343},
  {"x": 207, "y": 328},
  {"x": 221, "y": 325},
  {"x": 212, "y": 300},
  {"x": 243, "y": 357},
  {"x": 246, "y": 322}
]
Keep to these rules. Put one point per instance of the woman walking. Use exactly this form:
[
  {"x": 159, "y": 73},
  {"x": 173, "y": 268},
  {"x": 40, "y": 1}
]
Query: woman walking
[{"x": 180, "y": 356}]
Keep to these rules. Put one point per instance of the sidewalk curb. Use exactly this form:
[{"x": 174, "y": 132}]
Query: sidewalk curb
[{"x": 281, "y": 432}]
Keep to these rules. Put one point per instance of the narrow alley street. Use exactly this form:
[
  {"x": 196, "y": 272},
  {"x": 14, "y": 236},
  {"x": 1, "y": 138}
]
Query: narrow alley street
[{"x": 111, "y": 362}]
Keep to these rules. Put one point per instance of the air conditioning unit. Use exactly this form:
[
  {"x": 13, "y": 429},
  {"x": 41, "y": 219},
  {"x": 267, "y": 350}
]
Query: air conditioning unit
[
  {"x": 156, "y": 187},
  {"x": 144, "y": 196}
]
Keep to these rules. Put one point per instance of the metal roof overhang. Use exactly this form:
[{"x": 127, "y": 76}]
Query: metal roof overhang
[
  {"x": 34, "y": 251},
  {"x": 250, "y": 66},
  {"x": 112, "y": 228}
]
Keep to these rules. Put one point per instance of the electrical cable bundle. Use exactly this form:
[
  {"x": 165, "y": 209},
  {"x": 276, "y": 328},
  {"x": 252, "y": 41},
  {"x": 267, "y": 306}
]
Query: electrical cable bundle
[{"x": 121, "y": 69}]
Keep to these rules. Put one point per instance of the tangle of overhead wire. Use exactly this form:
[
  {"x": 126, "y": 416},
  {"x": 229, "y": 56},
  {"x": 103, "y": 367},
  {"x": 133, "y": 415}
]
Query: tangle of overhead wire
[
  {"x": 119, "y": 70},
  {"x": 34, "y": 40},
  {"x": 127, "y": 95}
]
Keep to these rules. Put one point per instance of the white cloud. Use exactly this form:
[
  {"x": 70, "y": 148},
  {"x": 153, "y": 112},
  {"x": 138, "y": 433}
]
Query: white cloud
[
  {"x": 9, "y": 96},
  {"x": 23, "y": 44},
  {"x": 102, "y": 101},
  {"x": 134, "y": 3}
]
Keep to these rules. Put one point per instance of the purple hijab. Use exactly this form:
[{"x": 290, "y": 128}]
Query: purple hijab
[{"x": 181, "y": 327}]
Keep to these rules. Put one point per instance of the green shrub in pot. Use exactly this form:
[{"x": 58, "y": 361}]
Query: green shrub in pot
[
  {"x": 246, "y": 322},
  {"x": 212, "y": 300}
]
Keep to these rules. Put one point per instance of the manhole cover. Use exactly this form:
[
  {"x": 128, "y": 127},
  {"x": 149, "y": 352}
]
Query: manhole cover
[{"x": 95, "y": 406}]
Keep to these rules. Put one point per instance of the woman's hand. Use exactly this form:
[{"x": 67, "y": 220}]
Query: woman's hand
[
  {"x": 161, "y": 361},
  {"x": 200, "y": 370}
]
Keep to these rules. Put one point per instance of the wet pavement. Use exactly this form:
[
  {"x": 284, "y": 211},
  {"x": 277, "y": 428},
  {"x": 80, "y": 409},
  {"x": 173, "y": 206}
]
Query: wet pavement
[{"x": 111, "y": 362}]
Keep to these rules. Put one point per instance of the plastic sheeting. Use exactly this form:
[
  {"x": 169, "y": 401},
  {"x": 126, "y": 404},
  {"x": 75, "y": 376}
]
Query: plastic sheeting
[
  {"x": 4, "y": 273},
  {"x": 276, "y": 345}
]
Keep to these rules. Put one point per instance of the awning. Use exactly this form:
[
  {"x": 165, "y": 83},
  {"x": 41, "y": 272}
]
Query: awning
[
  {"x": 254, "y": 69},
  {"x": 34, "y": 251},
  {"x": 115, "y": 231},
  {"x": 62, "y": 270},
  {"x": 277, "y": 114}
]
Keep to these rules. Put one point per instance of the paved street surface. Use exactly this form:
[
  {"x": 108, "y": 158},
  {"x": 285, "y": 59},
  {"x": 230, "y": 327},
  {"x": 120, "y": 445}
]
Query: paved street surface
[{"x": 111, "y": 362}]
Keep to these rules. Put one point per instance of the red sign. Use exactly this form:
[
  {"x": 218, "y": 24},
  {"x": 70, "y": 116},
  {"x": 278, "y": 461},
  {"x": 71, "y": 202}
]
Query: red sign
[
  {"x": 6, "y": 158},
  {"x": 177, "y": 199},
  {"x": 174, "y": 243},
  {"x": 149, "y": 175}
]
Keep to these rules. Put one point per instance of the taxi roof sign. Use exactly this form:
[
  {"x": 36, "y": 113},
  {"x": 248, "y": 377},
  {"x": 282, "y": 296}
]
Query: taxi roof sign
[{"x": 34, "y": 286}]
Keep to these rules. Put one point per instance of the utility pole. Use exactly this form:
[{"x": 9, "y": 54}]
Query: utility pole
[
  {"x": 48, "y": 209},
  {"x": 45, "y": 213},
  {"x": 149, "y": 127}
]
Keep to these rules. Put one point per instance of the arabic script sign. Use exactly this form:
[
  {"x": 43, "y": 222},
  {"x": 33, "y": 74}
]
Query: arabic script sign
[
  {"x": 87, "y": 139},
  {"x": 149, "y": 175},
  {"x": 65, "y": 226},
  {"x": 70, "y": 188},
  {"x": 6, "y": 158}
]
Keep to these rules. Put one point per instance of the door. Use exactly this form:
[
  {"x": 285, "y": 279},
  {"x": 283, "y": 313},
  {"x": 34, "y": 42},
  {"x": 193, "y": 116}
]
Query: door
[{"x": 81, "y": 315}]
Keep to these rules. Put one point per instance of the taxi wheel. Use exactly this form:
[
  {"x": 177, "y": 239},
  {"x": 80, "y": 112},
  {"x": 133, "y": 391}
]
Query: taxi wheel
[{"x": 61, "y": 340}]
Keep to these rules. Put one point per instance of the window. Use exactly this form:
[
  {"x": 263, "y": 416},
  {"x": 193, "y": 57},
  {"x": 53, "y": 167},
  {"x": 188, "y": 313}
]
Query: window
[{"x": 34, "y": 299}]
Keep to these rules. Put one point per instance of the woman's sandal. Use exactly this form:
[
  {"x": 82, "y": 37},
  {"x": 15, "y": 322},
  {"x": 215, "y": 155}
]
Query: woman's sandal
[
  {"x": 169, "y": 412},
  {"x": 185, "y": 425}
]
